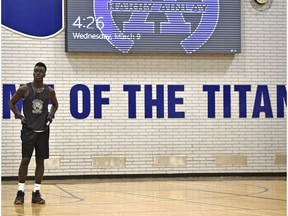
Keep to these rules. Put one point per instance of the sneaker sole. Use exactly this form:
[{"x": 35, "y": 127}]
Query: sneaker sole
[
  {"x": 18, "y": 203},
  {"x": 42, "y": 202}
]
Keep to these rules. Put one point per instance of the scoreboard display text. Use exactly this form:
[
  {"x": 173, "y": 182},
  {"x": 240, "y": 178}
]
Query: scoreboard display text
[{"x": 149, "y": 26}]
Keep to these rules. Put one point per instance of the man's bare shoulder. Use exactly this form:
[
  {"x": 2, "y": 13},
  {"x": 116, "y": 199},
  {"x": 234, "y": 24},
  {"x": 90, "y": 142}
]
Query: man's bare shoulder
[
  {"x": 21, "y": 92},
  {"x": 51, "y": 90},
  {"x": 52, "y": 93},
  {"x": 23, "y": 88}
]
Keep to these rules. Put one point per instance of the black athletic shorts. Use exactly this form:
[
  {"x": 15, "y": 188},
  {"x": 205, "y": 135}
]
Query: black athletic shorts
[{"x": 38, "y": 140}]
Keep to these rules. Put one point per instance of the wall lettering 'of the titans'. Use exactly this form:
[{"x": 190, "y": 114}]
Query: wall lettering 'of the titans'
[{"x": 260, "y": 105}]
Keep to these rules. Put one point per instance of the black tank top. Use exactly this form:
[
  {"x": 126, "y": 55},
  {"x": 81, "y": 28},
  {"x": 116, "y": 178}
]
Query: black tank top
[{"x": 35, "y": 108}]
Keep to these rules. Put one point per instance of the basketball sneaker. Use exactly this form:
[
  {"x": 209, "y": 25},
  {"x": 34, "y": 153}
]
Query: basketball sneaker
[
  {"x": 19, "y": 198},
  {"x": 36, "y": 198}
]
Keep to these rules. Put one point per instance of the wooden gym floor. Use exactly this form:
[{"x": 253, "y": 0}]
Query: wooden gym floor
[{"x": 152, "y": 197}]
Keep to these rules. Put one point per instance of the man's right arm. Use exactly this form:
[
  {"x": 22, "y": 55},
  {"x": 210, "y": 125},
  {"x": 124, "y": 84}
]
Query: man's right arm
[{"x": 20, "y": 93}]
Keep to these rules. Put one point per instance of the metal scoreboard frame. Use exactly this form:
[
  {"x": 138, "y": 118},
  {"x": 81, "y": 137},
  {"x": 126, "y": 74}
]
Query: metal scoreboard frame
[{"x": 157, "y": 26}]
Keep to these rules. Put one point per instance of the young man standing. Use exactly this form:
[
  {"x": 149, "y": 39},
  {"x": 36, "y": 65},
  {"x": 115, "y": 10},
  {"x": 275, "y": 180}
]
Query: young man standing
[{"x": 35, "y": 128}]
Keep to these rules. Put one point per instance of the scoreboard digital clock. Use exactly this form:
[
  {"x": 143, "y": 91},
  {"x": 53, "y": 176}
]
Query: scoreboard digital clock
[{"x": 148, "y": 26}]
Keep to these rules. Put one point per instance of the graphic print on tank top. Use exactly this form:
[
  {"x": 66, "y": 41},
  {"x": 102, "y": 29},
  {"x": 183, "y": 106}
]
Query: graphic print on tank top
[{"x": 37, "y": 106}]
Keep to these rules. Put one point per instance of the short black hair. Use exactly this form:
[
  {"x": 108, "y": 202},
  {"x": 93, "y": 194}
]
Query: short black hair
[{"x": 41, "y": 64}]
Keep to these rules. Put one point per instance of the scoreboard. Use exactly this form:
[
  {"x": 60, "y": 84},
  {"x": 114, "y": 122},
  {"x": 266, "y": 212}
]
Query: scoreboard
[{"x": 149, "y": 26}]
